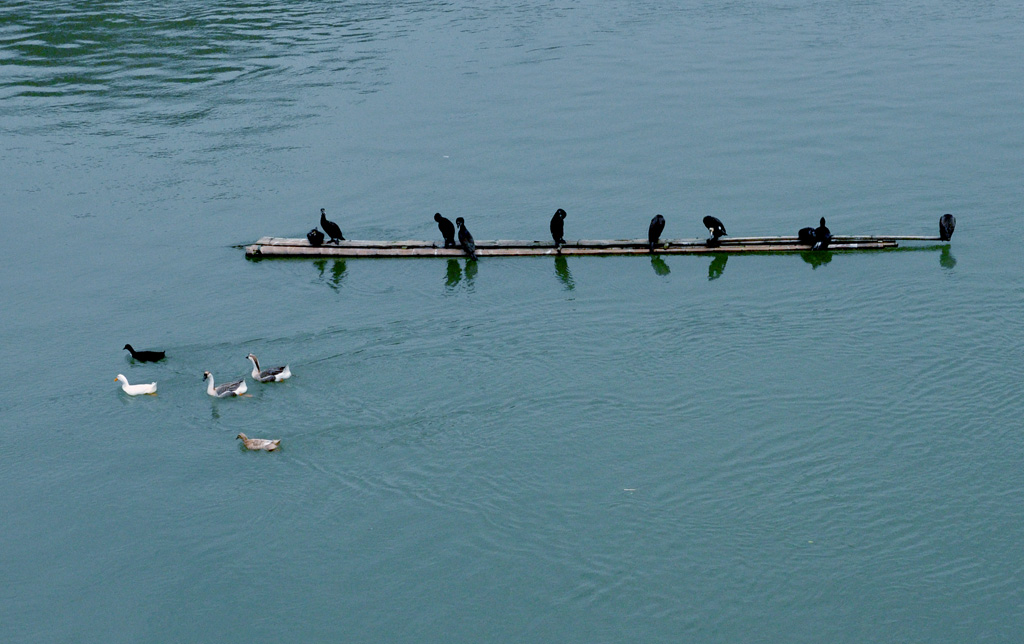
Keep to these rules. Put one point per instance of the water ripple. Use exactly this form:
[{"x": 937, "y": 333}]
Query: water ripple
[{"x": 105, "y": 55}]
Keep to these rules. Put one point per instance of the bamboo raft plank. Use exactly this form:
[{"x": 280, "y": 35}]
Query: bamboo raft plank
[{"x": 299, "y": 247}]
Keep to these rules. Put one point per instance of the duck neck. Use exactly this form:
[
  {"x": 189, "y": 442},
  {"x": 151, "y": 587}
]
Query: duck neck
[
  {"x": 255, "y": 367},
  {"x": 210, "y": 389}
]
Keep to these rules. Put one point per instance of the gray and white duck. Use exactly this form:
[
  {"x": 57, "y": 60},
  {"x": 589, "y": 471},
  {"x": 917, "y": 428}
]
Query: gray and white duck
[
  {"x": 236, "y": 388},
  {"x": 273, "y": 374}
]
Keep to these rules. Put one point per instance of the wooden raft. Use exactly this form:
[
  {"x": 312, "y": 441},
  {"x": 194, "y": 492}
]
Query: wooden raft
[{"x": 292, "y": 247}]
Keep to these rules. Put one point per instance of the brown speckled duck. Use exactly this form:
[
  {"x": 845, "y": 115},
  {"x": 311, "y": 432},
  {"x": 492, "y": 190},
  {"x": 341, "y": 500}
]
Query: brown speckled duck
[{"x": 257, "y": 444}]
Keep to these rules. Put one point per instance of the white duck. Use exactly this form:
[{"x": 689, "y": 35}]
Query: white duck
[
  {"x": 273, "y": 374},
  {"x": 259, "y": 443},
  {"x": 135, "y": 390},
  {"x": 236, "y": 388}
]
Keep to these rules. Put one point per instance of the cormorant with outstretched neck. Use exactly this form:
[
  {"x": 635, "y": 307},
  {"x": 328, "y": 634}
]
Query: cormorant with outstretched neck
[
  {"x": 447, "y": 229},
  {"x": 822, "y": 236},
  {"x": 715, "y": 228},
  {"x": 947, "y": 223},
  {"x": 331, "y": 228},
  {"x": 558, "y": 228},
  {"x": 654, "y": 232},
  {"x": 466, "y": 239}
]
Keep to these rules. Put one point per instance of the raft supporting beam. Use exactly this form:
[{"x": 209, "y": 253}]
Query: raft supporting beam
[{"x": 298, "y": 247}]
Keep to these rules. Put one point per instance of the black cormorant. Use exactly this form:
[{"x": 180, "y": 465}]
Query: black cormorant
[
  {"x": 654, "y": 232},
  {"x": 822, "y": 236},
  {"x": 315, "y": 237},
  {"x": 331, "y": 228},
  {"x": 465, "y": 238},
  {"x": 947, "y": 223},
  {"x": 806, "y": 236},
  {"x": 715, "y": 228},
  {"x": 558, "y": 228},
  {"x": 447, "y": 229}
]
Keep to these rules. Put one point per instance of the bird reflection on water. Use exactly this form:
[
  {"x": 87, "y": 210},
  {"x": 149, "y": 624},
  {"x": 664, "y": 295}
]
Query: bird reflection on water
[
  {"x": 454, "y": 275},
  {"x": 562, "y": 271},
  {"x": 338, "y": 269},
  {"x": 816, "y": 258},
  {"x": 716, "y": 266},
  {"x": 659, "y": 265},
  {"x": 946, "y": 259},
  {"x": 470, "y": 271}
]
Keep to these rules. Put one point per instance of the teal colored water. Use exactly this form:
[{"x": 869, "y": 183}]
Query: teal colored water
[{"x": 799, "y": 448}]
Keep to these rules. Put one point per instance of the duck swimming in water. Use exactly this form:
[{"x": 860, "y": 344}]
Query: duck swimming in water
[
  {"x": 465, "y": 238},
  {"x": 145, "y": 356},
  {"x": 558, "y": 228},
  {"x": 947, "y": 223},
  {"x": 447, "y": 229},
  {"x": 236, "y": 388},
  {"x": 135, "y": 390},
  {"x": 822, "y": 236},
  {"x": 332, "y": 229},
  {"x": 259, "y": 444},
  {"x": 273, "y": 374},
  {"x": 655, "y": 230},
  {"x": 715, "y": 228}
]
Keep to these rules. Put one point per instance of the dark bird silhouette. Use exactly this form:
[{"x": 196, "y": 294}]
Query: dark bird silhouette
[
  {"x": 822, "y": 236},
  {"x": 447, "y": 229},
  {"x": 806, "y": 236},
  {"x": 145, "y": 356},
  {"x": 315, "y": 237},
  {"x": 715, "y": 228},
  {"x": 465, "y": 238},
  {"x": 947, "y": 223},
  {"x": 654, "y": 232},
  {"x": 558, "y": 228},
  {"x": 331, "y": 228}
]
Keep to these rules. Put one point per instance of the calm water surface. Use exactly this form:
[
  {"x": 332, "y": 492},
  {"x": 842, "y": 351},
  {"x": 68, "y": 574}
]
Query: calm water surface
[{"x": 802, "y": 448}]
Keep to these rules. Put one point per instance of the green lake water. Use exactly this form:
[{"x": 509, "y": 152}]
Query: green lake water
[{"x": 772, "y": 448}]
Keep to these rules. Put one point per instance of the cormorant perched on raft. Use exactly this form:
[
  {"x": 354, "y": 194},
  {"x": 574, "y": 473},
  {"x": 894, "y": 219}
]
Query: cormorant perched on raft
[
  {"x": 315, "y": 237},
  {"x": 558, "y": 228},
  {"x": 654, "y": 232},
  {"x": 447, "y": 229},
  {"x": 822, "y": 236},
  {"x": 806, "y": 236},
  {"x": 465, "y": 238},
  {"x": 947, "y": 223},
  {"x": 331, "y": 228},
  {"x": 145, "y": 356},
  {"x": 716, "y": 229}
]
